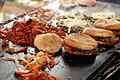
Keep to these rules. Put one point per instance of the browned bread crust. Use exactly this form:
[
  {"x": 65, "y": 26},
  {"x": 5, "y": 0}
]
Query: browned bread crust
[
  {"x": 109, "y": 24},
  {"x": 80, "y": 41},
  {"x": 49, "y": 42},
  {"x": 97, "y": 32}
]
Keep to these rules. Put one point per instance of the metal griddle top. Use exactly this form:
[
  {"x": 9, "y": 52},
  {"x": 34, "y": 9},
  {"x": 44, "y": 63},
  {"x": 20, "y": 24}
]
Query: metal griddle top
[{"x": 68, "y": 68}]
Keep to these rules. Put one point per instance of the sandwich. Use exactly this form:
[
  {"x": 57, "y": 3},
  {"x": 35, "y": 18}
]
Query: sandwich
[
  {"x": 108, "y": 24},
  {"x": 80, "y": 44},
  {"x": 102, "y": 36},
  {"x": 49, "y": 42}
]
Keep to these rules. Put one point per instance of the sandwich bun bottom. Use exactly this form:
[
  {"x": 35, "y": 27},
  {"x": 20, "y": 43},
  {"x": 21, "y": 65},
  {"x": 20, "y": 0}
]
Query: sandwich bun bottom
[
  {"x": 107, "y": 41},
  {"x": 116, "y": 32}
]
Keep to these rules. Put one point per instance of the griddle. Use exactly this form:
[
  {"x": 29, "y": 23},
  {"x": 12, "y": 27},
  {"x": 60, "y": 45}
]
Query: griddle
[
  {"x": 69, "y": 68},
  {"x": 110, "y": 66}
]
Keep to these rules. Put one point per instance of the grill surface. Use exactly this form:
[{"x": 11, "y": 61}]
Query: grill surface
[{"x": 71, "y": 68}]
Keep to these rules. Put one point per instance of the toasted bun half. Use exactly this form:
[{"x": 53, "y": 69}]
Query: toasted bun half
[
  {"x": 49, "y": 42},
  {"x": 80, "y": 41},
  {"x": 109, "y": 24},
  {"x": 67, "y": 3},
  {"x": 97, "y": 32},
  {"x": 87, "y": 2}
]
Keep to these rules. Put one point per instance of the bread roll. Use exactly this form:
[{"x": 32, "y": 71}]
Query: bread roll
[
  {"x": 87, "y": 2},
  {"x": 49, "y": 42},
  {"x": 68, "y": 3},
  {"x": 109, "y": 24},
  {"x": 98, "y": 32}
]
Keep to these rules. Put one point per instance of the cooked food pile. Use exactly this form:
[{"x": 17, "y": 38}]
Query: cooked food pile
[
  {"x": 105, "y": 15},
  {"x": 43, "y": 14},
  {"x": 39, "y": 76},
  {"x": 33, "y": 66},
  {"x": 74, "y": 21},
  {"x": 24, "y": 33},
  {"x": 38, "y": 62},
  {"x": 77, "y": 33}
]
